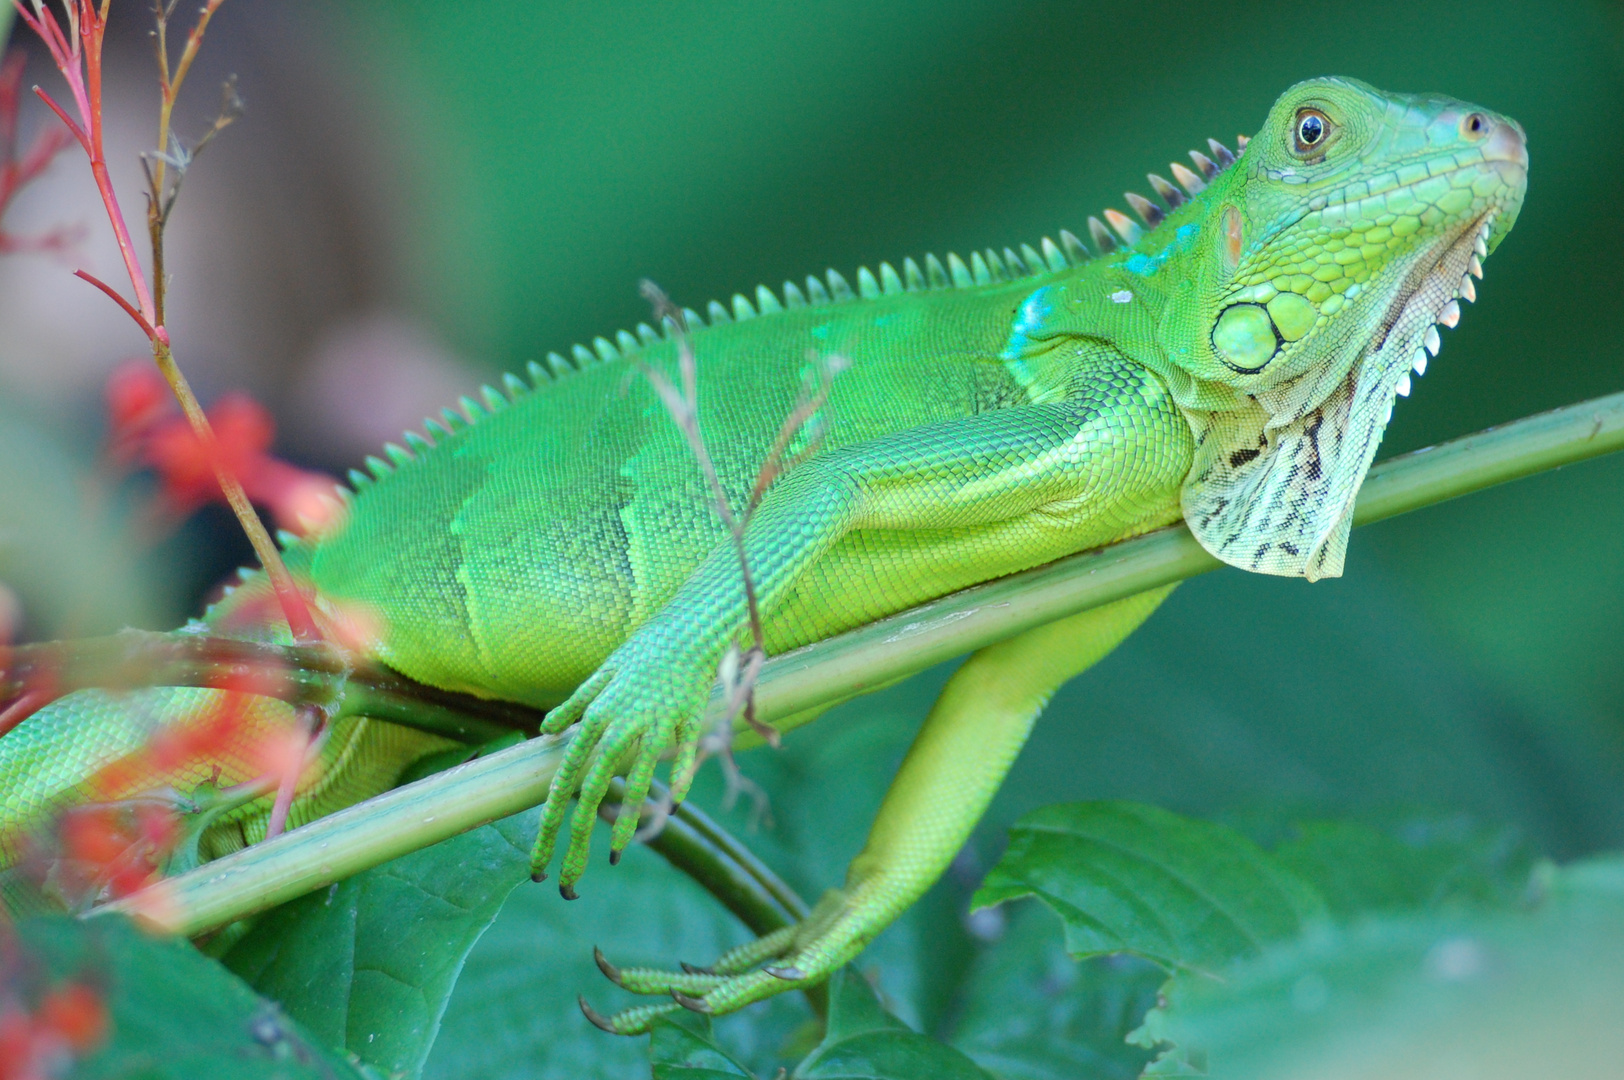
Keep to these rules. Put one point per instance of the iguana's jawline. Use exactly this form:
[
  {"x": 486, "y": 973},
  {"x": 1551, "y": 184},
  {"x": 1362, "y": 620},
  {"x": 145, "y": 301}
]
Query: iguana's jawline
[
  {"x": 1469, "y": 235},
  {"x": 1463, "y": 252}
]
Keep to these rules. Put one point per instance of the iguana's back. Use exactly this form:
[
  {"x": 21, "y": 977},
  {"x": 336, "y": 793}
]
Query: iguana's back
[{"x": 513, "y": 558}]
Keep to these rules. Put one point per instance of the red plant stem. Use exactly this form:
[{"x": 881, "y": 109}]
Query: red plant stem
[
  {"x": 126, "y": 247},
  {"x": 80, "y": 63},
  {"x": 141, "y": 320},
  {"x": 314, "y": 719},
  {"x": 64, "y": 117},
  {"x": 21, "y": 709},
  {"x": 286, "y": 786},
  {"x": 284, "y": 803}
]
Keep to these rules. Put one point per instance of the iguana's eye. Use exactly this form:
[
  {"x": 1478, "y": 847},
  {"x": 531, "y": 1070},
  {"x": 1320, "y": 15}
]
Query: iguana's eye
[{"x": 1312, "y": 129}]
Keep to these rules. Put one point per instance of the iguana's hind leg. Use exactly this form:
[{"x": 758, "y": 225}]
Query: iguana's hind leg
[{"x": 956, "y": 763}]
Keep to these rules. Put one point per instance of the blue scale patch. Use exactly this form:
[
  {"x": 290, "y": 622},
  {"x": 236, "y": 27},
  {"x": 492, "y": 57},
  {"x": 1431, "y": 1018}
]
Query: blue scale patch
[
  {"x": 1029, "y": 319},
  {"x": 1147, "y": 265}
]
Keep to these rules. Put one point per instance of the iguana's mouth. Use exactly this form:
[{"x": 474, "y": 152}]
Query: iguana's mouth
[{"x": 1430, "y": 298}]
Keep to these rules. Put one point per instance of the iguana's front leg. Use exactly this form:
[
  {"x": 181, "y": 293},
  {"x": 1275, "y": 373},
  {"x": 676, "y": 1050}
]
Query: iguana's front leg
[
  {"x": 998, "y": 491},
  {"x": 956, "y": 763}
]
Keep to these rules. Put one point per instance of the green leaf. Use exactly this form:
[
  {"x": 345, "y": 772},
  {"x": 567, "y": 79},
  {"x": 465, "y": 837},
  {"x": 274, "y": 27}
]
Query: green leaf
[
  {"x": 173, "y": 1013},
  {"x": 514, "y": 1012},
  {"x": 864, "y": 1042},
  {"x": 683, "y": 1047},
  {"x": 1421, "y": 864},
  {"x": 1130, "y": 878},
  {"x": 370, "y": 962},
  {"x": 854, "y": 1009},
  {"x": 1465, "y": 993},
  {"x": 1031, "y": 1012}
]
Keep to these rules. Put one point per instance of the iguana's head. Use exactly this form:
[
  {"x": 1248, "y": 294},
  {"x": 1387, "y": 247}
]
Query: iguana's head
[{"x": 1348, "y": 227}]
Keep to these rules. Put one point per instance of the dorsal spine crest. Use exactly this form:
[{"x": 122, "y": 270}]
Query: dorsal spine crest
[
  {"x": 984, "y": 268},
  {"x": 890, "y": 283}
]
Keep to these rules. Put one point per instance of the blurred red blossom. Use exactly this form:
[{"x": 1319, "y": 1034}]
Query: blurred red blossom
[
  {"x": 70, "y": 1022},
  {"x": 118, "y": 847},
  {"x": 147, "y": 430}
]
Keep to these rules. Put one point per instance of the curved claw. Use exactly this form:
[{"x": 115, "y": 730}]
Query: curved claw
[
  {"x": 609, "y": 970},
  {"x": 695, "y": 969},
  {"x": 692, "y": 1004},
  {"x": 577, "y": 755},
  {"x": 568, "y": 892},
  {"x": 594, "y": 1017},
  {"x": 787, "y": 973},
  {"x": 601, "y": 767},
  {"x": 638, "y": 782}
]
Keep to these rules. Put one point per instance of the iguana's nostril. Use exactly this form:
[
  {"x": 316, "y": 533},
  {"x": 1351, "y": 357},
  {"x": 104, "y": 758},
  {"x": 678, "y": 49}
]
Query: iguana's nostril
[{"x": 1505, "y": 142}]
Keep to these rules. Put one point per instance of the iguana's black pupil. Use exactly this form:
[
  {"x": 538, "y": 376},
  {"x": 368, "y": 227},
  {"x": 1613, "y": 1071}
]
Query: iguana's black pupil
[{"x": 1310, "y": 129}]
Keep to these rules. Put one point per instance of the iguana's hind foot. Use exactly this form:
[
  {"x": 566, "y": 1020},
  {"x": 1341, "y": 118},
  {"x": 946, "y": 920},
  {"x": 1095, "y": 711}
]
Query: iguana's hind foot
[
  {"x": 791, "y": 958},
  {"x": 628, "y": 1021},
  {"x": 955, "y": 764}
]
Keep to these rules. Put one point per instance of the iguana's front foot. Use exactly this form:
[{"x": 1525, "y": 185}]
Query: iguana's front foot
[
  {"x": 792, "y": 958},
  {"x": 646, "y": 699}
]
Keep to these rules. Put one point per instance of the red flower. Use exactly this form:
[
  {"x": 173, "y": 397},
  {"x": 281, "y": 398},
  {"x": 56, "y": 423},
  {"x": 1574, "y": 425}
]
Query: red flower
[
  {"x": 118, "y": 847},
  {"x": 70, "y": 1022},
  {"x": 76, "y": 1013},
  {"x": 148, "y": 431}
]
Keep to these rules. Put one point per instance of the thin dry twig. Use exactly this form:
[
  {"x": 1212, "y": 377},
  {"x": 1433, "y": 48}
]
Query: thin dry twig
[
  {"x": 156, "y": 163},
  {"x": 739, "y": 669}
]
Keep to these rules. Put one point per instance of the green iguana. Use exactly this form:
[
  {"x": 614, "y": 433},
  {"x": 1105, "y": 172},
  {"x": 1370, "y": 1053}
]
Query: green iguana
[{"x": 1233, "y": 360}]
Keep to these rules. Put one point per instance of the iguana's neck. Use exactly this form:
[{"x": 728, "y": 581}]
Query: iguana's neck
[{"x": 1128, "y": 299}]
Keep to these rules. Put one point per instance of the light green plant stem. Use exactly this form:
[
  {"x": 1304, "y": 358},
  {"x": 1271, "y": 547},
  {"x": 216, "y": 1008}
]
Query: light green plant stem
[{"x": 796, "y": 684}]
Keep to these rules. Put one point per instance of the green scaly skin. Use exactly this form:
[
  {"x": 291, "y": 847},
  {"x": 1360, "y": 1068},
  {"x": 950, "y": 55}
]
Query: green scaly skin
[{"x": 1234, "y": 362}]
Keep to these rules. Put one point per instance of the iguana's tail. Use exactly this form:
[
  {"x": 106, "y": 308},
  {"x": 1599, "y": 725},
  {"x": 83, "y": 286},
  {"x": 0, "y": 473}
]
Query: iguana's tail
[{"x": 109, "y": 781}]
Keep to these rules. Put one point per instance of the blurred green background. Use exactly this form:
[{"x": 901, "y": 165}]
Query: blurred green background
[{"x": 426, "y": 194}]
